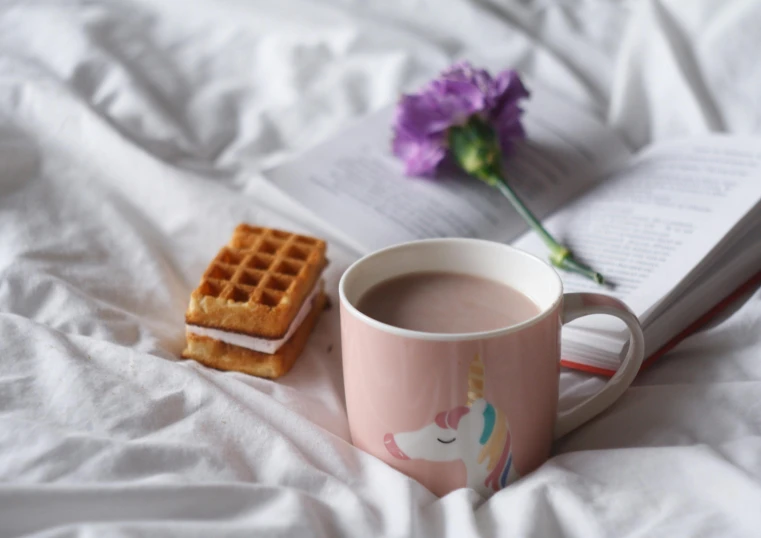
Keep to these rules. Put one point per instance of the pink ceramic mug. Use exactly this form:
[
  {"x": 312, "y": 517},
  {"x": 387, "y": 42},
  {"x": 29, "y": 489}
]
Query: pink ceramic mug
[{"x": 474, "y": 410}]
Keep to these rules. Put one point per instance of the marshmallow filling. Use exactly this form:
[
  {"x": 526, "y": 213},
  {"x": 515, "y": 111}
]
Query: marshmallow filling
[{"x": 254, "y": 343}]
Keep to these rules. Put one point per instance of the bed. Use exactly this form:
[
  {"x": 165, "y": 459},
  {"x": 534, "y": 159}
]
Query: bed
[{"x": 132, "y": 139}]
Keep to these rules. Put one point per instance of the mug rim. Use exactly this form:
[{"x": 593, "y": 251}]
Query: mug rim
[{"x": 448, "y": 337}]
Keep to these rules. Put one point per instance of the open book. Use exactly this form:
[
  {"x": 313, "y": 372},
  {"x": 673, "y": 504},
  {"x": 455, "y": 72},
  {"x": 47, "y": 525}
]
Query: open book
[{"x": 675, "y": 228}]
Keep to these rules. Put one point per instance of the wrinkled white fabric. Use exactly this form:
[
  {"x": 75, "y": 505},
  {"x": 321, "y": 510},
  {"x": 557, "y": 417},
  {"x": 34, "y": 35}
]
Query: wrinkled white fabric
[
  {"x": 131, "y": 139},
  {"x": 687, "y": 68}
]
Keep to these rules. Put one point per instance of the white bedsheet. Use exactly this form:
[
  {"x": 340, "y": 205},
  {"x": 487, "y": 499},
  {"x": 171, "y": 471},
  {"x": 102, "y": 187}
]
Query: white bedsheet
[{"x": 131, "y": 136}]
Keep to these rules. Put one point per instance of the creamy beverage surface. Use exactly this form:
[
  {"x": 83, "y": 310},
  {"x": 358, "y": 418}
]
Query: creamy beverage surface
[{"x": 443, "y": 302}]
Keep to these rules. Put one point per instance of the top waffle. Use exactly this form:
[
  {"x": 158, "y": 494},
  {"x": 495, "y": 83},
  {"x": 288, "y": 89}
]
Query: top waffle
[{"x": 257, "y": 282}]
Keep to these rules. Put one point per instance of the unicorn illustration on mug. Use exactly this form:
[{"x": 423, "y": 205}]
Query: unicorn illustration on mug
[{"x": 477, "y": 433}]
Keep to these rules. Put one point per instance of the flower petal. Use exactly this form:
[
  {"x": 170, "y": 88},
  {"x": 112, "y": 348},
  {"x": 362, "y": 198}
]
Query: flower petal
[
  {"x": 507, "y": 88},
  {"x": 457, "y": 100},
  {"x": 421, "y": 154},
  {"x": 421, "y": 115},
  {"x": 465, "y": 72},
  {"x": 509, "y": 127}
]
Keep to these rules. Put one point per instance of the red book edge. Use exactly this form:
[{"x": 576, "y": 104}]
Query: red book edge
[{"x": 754, "y": 281}]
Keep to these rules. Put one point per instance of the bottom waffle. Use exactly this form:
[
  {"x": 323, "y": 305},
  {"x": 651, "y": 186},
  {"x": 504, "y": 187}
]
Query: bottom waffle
[{"x": 223, "y": 356}]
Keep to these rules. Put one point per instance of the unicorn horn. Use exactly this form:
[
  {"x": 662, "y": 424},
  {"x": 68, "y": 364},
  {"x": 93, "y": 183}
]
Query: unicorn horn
[{"x": 475, "y": 380}]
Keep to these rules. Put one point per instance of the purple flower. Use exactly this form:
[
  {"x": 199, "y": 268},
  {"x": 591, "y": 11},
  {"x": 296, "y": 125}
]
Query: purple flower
[{"x": 460, "y": 92}]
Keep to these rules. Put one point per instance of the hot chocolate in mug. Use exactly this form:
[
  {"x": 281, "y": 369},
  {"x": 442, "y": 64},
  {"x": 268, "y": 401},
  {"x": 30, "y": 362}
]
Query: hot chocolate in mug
[{"x": 475, "y": 410}]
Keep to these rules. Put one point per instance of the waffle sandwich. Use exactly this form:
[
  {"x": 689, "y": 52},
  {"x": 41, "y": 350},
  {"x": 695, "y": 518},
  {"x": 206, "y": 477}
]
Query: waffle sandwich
[{"x": 257, "y": 302}]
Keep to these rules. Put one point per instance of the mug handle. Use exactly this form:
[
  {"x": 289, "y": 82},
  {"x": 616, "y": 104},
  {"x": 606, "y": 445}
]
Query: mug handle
[{"x": 576, "y": 305}]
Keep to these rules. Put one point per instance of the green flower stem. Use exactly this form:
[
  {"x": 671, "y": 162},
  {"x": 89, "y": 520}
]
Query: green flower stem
[
  {"x": 476, "y": 148},
  {"x": 560, "y": 256}
]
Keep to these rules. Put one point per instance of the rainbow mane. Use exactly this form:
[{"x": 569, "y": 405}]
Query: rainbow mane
[
  {"x": 496, "y": 447},
  {"x": 495, "y": 437}
]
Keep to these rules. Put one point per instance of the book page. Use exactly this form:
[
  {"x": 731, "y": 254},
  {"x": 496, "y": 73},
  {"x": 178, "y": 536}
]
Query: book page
[
  {"x": 651, "y": 225},
  {"x": 358, "y": 187}
]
